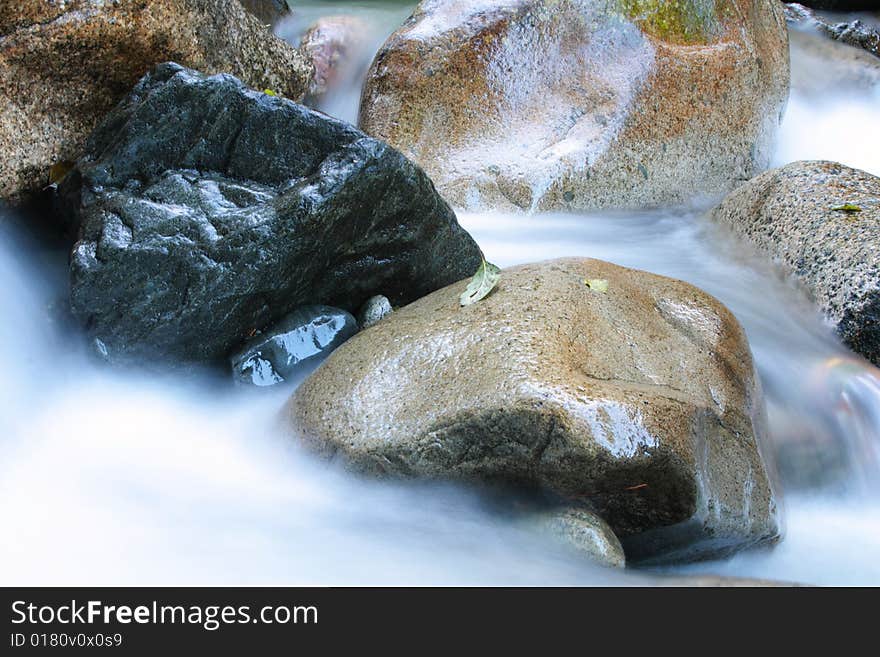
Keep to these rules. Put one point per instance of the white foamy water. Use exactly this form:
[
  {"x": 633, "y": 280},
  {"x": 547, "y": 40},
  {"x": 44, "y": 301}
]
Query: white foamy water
[
  {"x": 105, "y": 479},
  {"x": 843, "y": 129}
]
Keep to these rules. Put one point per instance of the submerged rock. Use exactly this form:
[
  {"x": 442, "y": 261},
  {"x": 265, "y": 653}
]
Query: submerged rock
[
  {"x": 543, "y": 104},
  {"x": 373, "y": 311},
  {"x": 209, "y": 210},
  {"x": 640, "y": 403},
  {"x": 854, "y": 33},
  {"x": 64, "y": 65},
  {"x": 583, "y": 532},
  {"x": 823, "y": 68},
  {"x": 797, "y": 215},
  {"x": 334, "y": 45},
  {"x": 293, "y": 347}
]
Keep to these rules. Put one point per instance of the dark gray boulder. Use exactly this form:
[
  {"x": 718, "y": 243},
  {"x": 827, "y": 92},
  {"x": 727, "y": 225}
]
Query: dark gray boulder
[
  {"x": 294, "y": 347},
  {"x": 207, "y": 211}
]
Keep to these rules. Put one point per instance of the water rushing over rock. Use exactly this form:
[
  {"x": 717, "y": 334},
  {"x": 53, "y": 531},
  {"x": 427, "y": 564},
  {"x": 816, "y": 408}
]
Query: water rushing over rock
[
  {"x": 157, "y": 482},
  {"x": 821, "y": 221},
  {"x": 579, "y": 104}
]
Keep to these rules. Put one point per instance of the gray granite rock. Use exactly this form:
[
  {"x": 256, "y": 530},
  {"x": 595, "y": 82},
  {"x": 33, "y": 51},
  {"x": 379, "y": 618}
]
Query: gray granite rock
[
  {"x": 374, "y": 310},
  {"x": 790, "y": 214},
  {"x": 268, "y": 11}
]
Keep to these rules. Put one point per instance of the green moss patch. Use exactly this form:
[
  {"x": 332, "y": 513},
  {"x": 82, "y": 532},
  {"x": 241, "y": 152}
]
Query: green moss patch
[{"x": 680, "y": 21}]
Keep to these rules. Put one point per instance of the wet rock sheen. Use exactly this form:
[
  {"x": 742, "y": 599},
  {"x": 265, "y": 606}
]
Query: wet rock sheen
[
  {"x": 640, "y": 404},
  {"x": 209, "y": 210},
  {"x": 581, "y": 104},
  {"x": 293, "y": 347}
]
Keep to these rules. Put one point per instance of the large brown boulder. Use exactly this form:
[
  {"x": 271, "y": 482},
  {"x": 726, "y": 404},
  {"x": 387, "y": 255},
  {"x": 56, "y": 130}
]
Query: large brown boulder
[
  {"x": 546, "y": 104},
  {"x": 640, "y": 403},
  {"x": 821, "y": 222},
  {"x": 63, "y": 66}
]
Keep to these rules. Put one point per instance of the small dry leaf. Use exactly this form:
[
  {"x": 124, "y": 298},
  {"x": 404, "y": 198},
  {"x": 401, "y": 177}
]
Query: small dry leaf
[{"x": 481, "y": 284}]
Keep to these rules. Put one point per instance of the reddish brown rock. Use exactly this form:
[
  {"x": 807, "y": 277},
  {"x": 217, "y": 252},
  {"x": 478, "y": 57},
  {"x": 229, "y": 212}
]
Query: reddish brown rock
[{"x": 580, "y": 104}]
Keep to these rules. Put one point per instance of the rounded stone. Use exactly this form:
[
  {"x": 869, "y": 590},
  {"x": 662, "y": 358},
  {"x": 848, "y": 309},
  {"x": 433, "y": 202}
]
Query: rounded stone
[
  {"x": 374, "y": 310},
  {"x": 335, "y": 46},
  {"x": 583, "y": 532},
  {"x": 640, "y": 403},
  {"x": 581, "y": 104}
]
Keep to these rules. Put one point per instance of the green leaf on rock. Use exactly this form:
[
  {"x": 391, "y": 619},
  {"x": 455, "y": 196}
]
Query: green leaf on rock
[
  {"x": 483, "y": 282},
  {"x": 597, "y": 284},
  {"x": 269, "y": 92},
  {"x": 848, "y": 208}
]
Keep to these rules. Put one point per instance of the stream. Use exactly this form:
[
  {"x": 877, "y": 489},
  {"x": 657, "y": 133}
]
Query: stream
[{"x": 110, "y": 480}]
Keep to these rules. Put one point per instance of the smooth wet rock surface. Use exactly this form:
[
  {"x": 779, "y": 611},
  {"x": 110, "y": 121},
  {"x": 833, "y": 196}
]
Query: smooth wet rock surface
[
  {"x": 789, "y": 214},
  {"x": 293, "y": 347},
  {"x": 64, "y": 65},
  {"x": 640, "y": 403},
  {"x": 583, "y": 532},
  {"x": 540, "y": 104},
  {"x": 209, "y": 211}
]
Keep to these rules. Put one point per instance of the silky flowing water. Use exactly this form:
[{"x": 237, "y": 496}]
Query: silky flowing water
[{"x": 107, "y": 478}]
